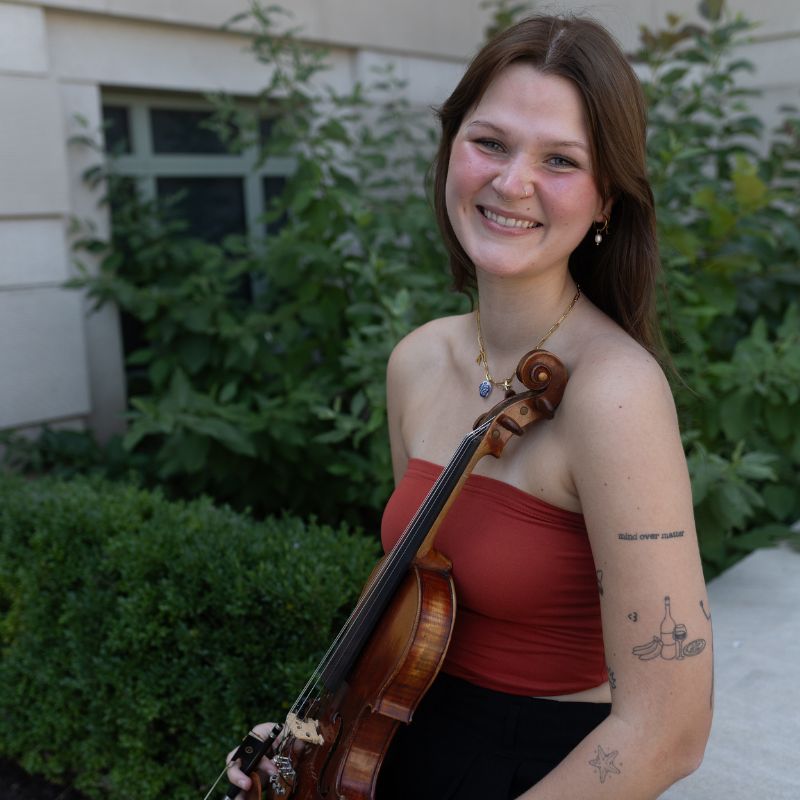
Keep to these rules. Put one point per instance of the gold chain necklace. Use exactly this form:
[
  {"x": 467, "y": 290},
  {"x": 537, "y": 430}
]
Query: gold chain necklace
[{"x": 485, "y": 387}]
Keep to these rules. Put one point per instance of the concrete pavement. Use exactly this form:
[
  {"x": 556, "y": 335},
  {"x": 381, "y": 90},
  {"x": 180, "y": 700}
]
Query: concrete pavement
[{"x": 754, "y": 749}]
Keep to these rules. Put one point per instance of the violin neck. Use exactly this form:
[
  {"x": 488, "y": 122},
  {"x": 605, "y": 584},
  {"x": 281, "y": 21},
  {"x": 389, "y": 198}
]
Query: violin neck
[{"x": 394, "y": 568}]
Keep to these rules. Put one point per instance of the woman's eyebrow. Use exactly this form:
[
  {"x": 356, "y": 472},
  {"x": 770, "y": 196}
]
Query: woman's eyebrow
[
  {"x": 483, "y": 124},
  {"x": 557, "y": 143}
]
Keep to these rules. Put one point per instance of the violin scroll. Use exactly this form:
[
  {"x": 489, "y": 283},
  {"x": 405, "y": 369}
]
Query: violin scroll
[{"x": 539, "y": 369}]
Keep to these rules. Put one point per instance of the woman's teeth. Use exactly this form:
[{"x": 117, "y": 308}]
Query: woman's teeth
[{"x": 508, "y": 222}]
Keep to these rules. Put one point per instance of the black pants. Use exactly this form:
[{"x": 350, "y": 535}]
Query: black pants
[{"x": 470, "y": 743}]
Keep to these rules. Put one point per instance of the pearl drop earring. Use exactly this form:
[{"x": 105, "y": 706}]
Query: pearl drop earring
[{"x": 599, "y": 231}]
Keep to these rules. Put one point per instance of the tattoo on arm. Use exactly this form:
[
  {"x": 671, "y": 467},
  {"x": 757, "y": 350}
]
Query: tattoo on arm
[
  {"x": 649, "y": 537},
  {"x": 707, "y": 615},
  {"x": 612, "y": 678},
  {"x": 670, "y": 640},
  {"x": 604, "y": 763},
  {"x": 600, "y": 582}
]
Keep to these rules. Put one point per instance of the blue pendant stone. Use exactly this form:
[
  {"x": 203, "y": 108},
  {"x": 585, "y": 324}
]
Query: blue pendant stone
[{"x": 485, "y": 388}]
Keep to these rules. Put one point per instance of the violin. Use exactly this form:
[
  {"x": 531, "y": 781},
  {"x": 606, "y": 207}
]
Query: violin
[{"x": 387, "y": 654}]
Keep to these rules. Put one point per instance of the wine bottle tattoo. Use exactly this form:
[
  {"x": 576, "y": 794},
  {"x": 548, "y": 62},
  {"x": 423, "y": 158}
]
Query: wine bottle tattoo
[{"x": 668, "y": 646}]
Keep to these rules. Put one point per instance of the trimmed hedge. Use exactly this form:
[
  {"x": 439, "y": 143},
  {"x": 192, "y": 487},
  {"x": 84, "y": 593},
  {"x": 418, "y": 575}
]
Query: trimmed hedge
[{"x": 142, "y": 637}]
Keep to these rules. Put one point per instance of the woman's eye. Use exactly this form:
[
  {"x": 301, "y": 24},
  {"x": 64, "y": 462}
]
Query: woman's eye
[
  {"x": 561, "y": 162},
  {"x": 490, "y": 144}
]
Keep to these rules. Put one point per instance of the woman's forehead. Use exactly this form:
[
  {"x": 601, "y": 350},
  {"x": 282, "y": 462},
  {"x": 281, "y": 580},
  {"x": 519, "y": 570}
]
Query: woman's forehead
[{"x": 522, "y": 96}]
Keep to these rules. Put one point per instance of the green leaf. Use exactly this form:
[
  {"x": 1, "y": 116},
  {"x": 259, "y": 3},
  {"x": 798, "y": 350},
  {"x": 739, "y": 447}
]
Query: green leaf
[
  {"x": 228, "y": 392},
  {"x": 193, "y": 352},
  {"x": 223, "y": 432},
  {"x": 731, "y": 505},
  {"x": 736, "y": 415},
  {"x": 781, "y": 420},
  {"x": 763, "y": 536},
  {"x": 750, "y": 191},
  {"x": 757, "y": 466},
  {"x": 783, "y": 502}
]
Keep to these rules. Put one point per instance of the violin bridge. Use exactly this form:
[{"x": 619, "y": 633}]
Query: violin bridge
[{"x": 305, "y": 730}]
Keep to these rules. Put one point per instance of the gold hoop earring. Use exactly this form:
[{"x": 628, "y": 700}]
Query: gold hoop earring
[{"x": 599, "y": 231}]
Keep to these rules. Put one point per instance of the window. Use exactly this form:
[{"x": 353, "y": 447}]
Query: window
[
  {"x": 164, "y": 144},
  {"x": 163, "y": 141}
]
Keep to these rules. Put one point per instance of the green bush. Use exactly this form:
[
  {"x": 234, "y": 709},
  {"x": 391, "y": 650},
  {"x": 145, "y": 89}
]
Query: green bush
[
  {"x": 67, "y": 453},
  {"x": 141, "y": 637}
]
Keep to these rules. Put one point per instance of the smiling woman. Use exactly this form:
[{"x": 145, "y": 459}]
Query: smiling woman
[
  {"x": 619, "y": 277},
  {"x": 567, "y": 675}
]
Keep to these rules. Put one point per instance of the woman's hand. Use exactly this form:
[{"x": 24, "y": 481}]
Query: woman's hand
[{"x": 265, "y": 767}]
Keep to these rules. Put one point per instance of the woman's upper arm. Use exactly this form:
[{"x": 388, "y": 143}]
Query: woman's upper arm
[
  {"x": 630, "y": 472},
  {"x": 395, "y": 402}
]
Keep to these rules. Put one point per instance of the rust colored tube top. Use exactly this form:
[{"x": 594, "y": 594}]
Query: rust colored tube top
[{"x": 528, "y": 618}]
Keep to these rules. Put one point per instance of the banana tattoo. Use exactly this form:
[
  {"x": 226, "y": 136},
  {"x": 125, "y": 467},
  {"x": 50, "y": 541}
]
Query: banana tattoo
[{"x": 648, "y": 651}]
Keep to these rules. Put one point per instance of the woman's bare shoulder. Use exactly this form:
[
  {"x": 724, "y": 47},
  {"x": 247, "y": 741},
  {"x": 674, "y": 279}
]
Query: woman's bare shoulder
[
  {"x": 414, "y": 374},
  {"x": 619, "y": 421},
  {"x": 612, "y": 371},
  {"x": 426, "y": 348}
]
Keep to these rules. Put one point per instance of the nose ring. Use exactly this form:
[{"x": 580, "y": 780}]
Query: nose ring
[{"x": 527, "y": 192}]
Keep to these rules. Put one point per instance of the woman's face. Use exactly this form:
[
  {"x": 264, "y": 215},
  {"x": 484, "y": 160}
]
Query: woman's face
[{"x": 526, "y": 136}]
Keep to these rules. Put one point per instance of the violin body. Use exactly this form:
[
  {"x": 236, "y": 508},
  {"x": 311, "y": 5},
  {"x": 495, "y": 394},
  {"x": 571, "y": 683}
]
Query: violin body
[{"x": 395, "y": 669}]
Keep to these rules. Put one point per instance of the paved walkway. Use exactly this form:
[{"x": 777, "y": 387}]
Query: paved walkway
[{"x": 753, "y": 752}]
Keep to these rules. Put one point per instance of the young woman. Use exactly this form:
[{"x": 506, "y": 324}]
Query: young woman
[{"x": 581, "y": 663}]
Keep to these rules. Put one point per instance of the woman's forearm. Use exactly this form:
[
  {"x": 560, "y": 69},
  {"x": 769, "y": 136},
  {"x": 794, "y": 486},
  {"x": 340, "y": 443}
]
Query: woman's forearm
[{"x": 623, "y": 761}]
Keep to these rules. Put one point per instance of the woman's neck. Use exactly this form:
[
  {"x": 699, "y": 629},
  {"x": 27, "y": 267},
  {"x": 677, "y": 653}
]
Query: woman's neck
[{"x": 513, "y": 318}]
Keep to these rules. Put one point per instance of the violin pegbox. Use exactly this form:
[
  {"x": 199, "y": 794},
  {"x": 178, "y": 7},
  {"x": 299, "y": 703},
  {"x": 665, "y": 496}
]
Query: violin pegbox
[{"x": 545, "y": 378}]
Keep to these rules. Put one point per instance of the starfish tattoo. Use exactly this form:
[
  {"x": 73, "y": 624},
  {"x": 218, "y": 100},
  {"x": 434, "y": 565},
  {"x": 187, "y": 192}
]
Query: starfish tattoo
[{"x": 604, "y": 763}]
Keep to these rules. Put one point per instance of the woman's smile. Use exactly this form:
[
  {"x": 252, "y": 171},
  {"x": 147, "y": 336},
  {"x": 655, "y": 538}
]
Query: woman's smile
[{"x": 508, "y": 222}]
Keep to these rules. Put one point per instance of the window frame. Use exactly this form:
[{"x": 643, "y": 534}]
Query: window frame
[{"x": 146, "y": 166}]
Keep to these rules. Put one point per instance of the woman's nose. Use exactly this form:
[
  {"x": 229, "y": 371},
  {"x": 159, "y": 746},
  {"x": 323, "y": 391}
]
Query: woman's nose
[{"x": 515, "y": 182}]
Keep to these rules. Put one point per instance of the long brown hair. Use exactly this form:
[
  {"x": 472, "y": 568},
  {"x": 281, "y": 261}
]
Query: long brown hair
[{"x": 620, "y": 275}]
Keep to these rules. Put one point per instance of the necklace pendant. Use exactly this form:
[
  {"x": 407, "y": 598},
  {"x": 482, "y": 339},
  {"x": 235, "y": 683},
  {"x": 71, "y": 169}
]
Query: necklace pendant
[{"x": 485, "y": 388}]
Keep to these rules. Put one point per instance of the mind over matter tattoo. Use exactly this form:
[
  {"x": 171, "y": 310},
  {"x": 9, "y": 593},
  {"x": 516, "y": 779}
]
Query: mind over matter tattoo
[
  {"x": 604, "y": 763},
  {"x": 649, "y": 537}
]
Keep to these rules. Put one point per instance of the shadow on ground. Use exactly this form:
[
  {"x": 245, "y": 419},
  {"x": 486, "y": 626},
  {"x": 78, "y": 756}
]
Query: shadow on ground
[{"x": 16, "y": 784}]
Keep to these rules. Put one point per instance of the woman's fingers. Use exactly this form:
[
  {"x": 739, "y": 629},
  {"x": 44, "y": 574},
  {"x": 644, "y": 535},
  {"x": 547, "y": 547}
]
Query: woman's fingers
[{"x": 235, "y": 774}]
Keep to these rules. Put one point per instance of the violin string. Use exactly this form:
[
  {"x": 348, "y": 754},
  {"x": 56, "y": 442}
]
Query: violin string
[{"x": 397, "y": 557}]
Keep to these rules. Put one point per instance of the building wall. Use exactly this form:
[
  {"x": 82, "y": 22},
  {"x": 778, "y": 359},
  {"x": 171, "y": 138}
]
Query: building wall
[
  {"x": 43, "y": 360},
  {"x": 61, "y": 363}
]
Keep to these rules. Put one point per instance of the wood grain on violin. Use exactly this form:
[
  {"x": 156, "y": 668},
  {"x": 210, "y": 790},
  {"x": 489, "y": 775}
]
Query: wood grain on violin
[{"x": 392, "y": 646}]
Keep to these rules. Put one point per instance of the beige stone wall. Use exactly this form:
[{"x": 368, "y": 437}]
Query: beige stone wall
[
  {"x": 61, "y": 364},
  {"x": 42, "y": 337},
  {"x": 446, "y": 28}
]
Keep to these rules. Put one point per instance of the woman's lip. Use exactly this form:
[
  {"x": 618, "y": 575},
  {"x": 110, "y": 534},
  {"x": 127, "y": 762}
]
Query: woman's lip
[{"x": 507, "y": 220}]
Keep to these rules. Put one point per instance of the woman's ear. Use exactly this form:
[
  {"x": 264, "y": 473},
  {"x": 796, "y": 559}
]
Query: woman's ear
[{"x": 605, "y": 212}]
